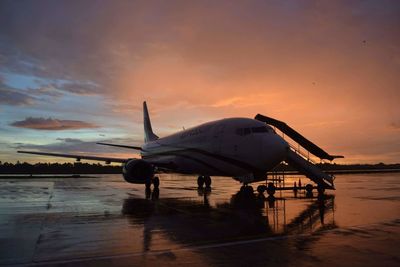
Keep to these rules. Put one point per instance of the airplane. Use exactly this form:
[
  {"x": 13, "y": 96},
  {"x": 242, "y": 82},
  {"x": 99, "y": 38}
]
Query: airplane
[{"x": 242, "y": 148}]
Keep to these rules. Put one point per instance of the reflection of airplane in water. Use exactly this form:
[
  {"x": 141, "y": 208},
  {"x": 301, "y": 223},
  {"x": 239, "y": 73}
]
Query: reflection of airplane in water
[
  {"x": 242, "y": 148},
  {"x": 243, "y": 218}
]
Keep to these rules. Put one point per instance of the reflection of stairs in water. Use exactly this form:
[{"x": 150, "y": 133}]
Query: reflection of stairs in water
[
  {"x": 317, "y": 215},
  {"x": 313, "y": 215},
  {"x": 300, "y": 161}
]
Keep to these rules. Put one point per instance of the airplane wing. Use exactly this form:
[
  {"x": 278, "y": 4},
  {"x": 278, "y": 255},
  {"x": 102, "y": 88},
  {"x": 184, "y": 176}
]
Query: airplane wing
[
  {"x": 124, "y": 146},
  {"x": 76, "y": 156}
]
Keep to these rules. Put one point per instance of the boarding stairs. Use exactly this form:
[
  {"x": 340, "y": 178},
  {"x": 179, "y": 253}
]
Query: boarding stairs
[
  {"x": 297, "y": 159},
  {"x": 309, "y": 169}
]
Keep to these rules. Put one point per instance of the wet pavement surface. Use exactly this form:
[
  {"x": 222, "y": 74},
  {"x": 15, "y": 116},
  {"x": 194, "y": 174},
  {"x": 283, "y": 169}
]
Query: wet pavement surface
[{"x": 105, "y": 221}]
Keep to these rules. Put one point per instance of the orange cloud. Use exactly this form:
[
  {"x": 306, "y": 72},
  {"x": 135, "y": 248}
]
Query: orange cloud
[{"x": 52, "y": 124}]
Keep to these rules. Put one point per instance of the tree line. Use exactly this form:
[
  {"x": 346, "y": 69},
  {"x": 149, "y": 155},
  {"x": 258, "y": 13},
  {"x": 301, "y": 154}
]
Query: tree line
[{"x": 97, "y": 168}]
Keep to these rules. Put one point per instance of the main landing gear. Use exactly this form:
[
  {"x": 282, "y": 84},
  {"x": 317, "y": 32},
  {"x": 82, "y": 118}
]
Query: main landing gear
[
  {"x": 156, "y": 191},
  {"x": 155, "y": 181},
  {"x": 204, "y": 179},
  {"x": 270, "y": 188},
  {"x": 247, "y": 190}
]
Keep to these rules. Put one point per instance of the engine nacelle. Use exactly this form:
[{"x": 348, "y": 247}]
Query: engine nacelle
[{"x": 138, "y": 171}]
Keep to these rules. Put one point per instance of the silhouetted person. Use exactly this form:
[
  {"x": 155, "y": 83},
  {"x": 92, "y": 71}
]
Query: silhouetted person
[
  {"x": 299, "y": 184},
  {"x": 148, "y": 192},
  {"x": 155, "y": 194},
  {"x": 271, "y": 201}
]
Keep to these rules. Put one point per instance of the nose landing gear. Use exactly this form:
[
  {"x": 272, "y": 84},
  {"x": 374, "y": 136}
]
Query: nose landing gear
[{"x": 155, "y": 181}]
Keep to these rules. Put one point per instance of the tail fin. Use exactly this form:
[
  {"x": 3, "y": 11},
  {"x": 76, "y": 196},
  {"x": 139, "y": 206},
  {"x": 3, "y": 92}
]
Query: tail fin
[{"x": 148, "y": 131}]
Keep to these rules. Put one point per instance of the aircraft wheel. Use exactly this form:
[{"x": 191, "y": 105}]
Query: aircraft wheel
[
  {"x": 156, "y": 182},
  {"x": 246, "y": 191},
  {"x": 271, "y": 189},
  {"x": 250, "y": 189},
  {"x": 309, "y": 188},
  {"x": 200, "y": 181},
  {"x": 261, "y": 189},
  {"x": 207, "y": 181}
]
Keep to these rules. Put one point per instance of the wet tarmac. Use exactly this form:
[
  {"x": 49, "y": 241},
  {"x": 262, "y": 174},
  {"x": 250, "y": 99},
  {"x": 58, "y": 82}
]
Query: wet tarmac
[{"x": 105, "y": 221}]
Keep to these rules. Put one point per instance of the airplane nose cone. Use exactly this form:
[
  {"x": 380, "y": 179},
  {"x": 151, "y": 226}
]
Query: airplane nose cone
[
  {"x": 282, "y": 146},
  {"x": 275, "y": 148}
]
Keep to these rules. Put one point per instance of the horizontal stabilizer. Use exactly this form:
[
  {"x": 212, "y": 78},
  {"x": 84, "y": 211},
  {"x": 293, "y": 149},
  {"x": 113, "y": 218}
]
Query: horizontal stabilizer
[
  {"x": 124, "y": 146},
  {"x": 296, "y": 136}
]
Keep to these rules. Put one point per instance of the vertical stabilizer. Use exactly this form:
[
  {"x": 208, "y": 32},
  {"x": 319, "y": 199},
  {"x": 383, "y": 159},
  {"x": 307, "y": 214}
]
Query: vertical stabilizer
[{"x": 148, "y": 131}]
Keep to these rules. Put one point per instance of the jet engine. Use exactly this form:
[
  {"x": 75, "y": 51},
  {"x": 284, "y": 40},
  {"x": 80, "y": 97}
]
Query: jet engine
[{"x": 138, "y": 171}]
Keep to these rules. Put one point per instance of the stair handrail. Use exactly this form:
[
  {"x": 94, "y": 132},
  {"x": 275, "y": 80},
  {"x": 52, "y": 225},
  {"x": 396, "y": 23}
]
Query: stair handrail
[
  {"x": 302, "y": 154},
  {"x": 295, "y": 149}
]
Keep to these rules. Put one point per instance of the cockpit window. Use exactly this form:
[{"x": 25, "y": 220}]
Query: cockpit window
[
  {"x": 246, "y": 131},
  {"x": 262, "y": 129}
]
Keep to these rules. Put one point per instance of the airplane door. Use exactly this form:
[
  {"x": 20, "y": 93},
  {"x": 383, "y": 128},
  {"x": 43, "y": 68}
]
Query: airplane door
[{"x": 218, "y": 138}]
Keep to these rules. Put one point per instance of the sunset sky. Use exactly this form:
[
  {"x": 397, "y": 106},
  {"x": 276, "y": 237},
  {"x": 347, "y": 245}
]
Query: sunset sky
[{"x": 76, "y": 72}]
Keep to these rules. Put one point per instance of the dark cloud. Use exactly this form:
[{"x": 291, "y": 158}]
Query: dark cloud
[
  {"x": 69, "y": 140},
  {"x": 52, "y": 124},
  {"x": 11, "y": 96},
  {"x": 45, "y": 90},
  {"x": 79, "y": 88},
  {"x": 27, "y": 97}
]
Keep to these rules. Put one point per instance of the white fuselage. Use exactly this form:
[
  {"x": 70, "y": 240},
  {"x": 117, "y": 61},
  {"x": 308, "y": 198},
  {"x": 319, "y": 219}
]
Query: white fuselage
[{"x": 238, "y": 147}]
